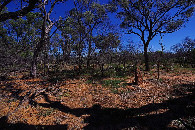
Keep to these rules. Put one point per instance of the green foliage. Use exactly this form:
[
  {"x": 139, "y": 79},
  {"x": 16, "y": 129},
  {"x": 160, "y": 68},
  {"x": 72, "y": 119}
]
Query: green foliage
[
  {"x": 147, "y": 19},
  {"x": 115, "y": 91},
  {"x": 112, "y": 83},
  {"x": 17, "y": 40},
  {"x": 184, "y": 52},
  {"x": 107, "y": 42}
]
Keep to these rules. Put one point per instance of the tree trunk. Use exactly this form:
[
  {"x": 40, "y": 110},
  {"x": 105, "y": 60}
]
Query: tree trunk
[
  {"x": 44, "y": 62},
  {"x": 102, "y": 69},
  {"x": 147, "y": 68},
  {"x": 136, "y": 76},
  {"x": 80, "y": 56},
  {"x": 33, "y": 72},
  {"x": 37, "y": 50},
  {"x": 89, "y": 49},
  {"x": 46, "y": 28},
  {"x": 124, "y": 65},
  {"x": 89, "y": 55}
]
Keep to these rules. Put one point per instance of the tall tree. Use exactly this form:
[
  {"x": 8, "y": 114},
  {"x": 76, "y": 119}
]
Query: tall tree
[
  {"x": 94, "y": 15},
  {"x": 148, "y": 18},
  {"x": 83, "y": 20},
  {"x": 47, "y": 25},
  {"x": 79, "y": 26},
  {"x": 76, "y": 31}
]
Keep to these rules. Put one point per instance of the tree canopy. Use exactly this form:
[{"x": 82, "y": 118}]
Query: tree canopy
[
  {"x": 148, "y": 18},
  {"x": 31, "y": 4}
]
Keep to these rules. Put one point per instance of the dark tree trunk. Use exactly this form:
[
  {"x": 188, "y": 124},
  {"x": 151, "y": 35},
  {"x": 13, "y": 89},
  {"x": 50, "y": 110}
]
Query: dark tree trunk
[
  {"x": 44, "y": 62},
  {"x": 89, "y": 55},
  {"x": 102, "y": 69},
  {"x": 80, "y": 56},
  {"x": 147, "y": 68},
  {"x": 89, "y": 49},
  {"x": 136, "y": 76}
]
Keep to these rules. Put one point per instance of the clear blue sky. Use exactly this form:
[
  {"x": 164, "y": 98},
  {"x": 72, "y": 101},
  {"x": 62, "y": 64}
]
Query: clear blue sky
[
  {"x": 168, "y": 39},
  {"x": 175, "y": 37}
]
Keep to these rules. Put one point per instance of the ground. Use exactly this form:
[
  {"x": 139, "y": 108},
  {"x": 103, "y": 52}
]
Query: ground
[{"x": 109, "y": 103}]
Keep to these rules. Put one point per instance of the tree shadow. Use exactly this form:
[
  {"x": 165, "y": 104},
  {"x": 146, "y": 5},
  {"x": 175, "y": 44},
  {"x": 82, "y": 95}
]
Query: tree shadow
[
  {"x": 64, "y": 74},
  {"x": 22, "y": 126},
  {"x": 113, "y": 118},
  {"x": 145, "y": 117},
  {"x": 5, "y": 78}
]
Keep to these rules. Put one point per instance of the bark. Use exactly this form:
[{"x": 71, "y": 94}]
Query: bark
[
  {"x": 37, "y": 50},
  {"x": 33, "y": 72},
  {"x": 89, "y": 55},
  {"x": 89, "y": 48},
  {"x": 102, "y": 69},
  {"x": 80, "y": 56},
  {"x": 44, "y": 37},
  {"x": 44, "y": 62},
  {"x": 147, "y": 68},
  {"x": 136, "y": 76}
]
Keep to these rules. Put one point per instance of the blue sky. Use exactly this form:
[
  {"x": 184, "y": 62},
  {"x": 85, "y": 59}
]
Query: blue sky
[
  {"x": 168, "y": 39},
  {"x": 171, "y": 38},
  {"x": 175, "y": 37}
]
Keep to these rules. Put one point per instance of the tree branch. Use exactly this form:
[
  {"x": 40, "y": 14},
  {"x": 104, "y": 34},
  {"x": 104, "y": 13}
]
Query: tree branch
[
  {"x": 4, "y": 4},
  {"x": 22, "y": 12}
]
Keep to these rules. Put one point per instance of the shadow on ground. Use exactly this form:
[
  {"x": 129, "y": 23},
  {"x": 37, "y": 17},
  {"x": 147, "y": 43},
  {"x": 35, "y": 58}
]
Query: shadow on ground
[
  {"x": 114, "y": 118},
  {"x": 21, "y": 126}
]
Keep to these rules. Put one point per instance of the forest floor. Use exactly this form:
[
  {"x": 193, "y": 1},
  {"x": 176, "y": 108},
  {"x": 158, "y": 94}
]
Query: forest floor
[{"x": 108, "y": 103}]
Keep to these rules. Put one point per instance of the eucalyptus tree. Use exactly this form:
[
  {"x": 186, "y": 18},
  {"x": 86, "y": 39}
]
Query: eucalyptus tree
[
  {"x": 18, "y": 38},
  {"x": 94, "y": 15},
  {"x": 78, "y": 28},
  {"x": 149, "y": 18},
  {"x": 26, "y": 6},
  {"x": 185, "y": 51},
  {"x": 65, "y": 41},
  {"x": 85, "y": 18},
  {"x": 75, "y": 34},
  {"x": 106, "y": 43},
  {"x": 47, "y": 25}
]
